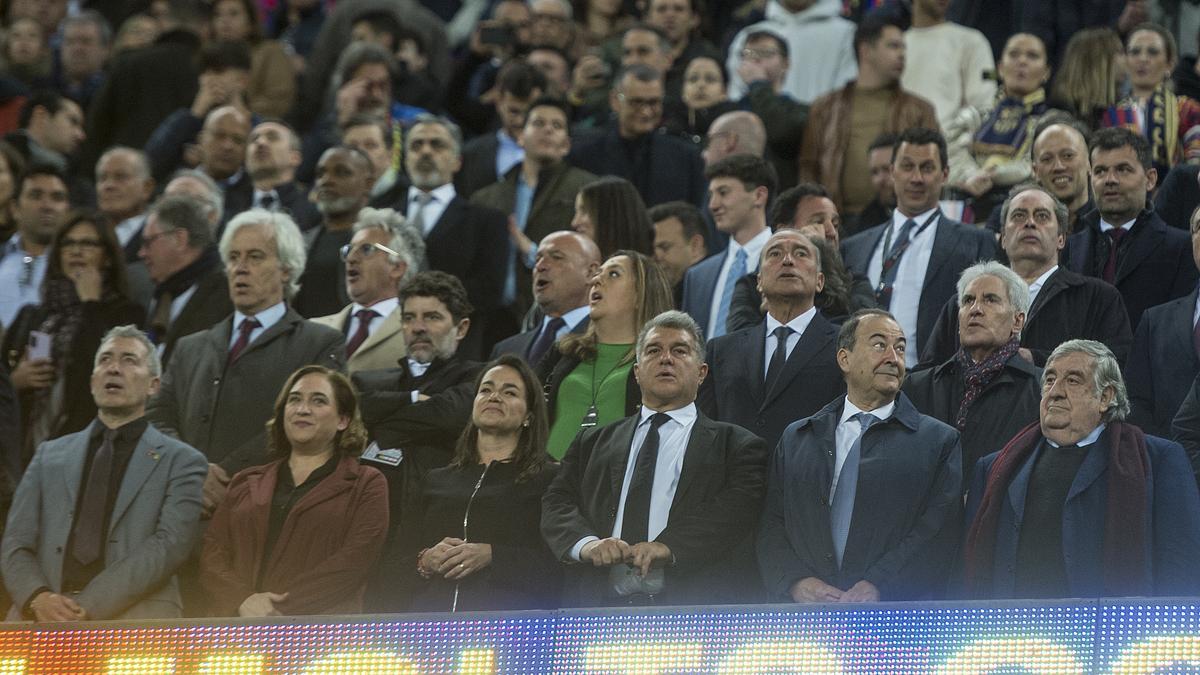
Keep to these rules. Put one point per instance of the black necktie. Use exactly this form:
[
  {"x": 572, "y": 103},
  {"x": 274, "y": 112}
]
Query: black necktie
[
  {"x": 90, "y": 528},
  {"x": 779, "y": 358},
  {"x": 635, "y": 524},
  {"x": 545, "y": 340}
]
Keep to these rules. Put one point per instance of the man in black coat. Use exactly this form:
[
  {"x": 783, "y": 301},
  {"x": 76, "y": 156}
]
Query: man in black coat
[
  {"x": 1065, "y": 305},
  {"x": 783, "y": 368},
  {"x": 272, "y": 156},
  {"x": 1124, "y": 242},
  {"x": 662, "y": 168},
  {"x": 464, "y": 239},
  {"x": 987, "y": 390},
  {"x": 654, "y": 508},
  {"x": 1164, "y": 360}
]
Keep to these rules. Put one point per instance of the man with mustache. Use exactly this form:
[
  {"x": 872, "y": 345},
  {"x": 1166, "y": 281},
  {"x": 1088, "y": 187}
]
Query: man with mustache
[
  {"x": 344, "y": 179},
  {"x": 464, "y": 239},
  {"x": 864, "y": 497}
]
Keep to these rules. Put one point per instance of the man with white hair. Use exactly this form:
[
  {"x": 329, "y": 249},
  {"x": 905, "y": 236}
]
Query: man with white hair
[
  {"x": 987, "y": 390},
  {"x": 383, "y": 255},
  {"x": 123, "y": 191},
  {"x": 219, "y": 389},
  {"x": 1082, "y": 504}
]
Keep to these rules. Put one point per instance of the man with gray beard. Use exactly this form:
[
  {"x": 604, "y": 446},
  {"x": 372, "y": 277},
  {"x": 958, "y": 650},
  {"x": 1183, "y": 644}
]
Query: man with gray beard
[
  {"x": 344, "y": 179},
  {"x": 464, "y": 239}
]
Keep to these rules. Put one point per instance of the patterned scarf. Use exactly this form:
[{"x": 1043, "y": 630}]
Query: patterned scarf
[
  {"x": 1161, "y": 123},
  {"x": 1006, "y": 132},
  {"x": 978, "y": 375}
]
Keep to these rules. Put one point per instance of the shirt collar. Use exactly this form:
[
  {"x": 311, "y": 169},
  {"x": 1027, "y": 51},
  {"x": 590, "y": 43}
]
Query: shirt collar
[
  {"x": 753, "y": 248},
  {"x": 1041, "y": 281},
  {"x": 882, "y": 412},
  {"x": 1086, "y": 440},
  {"x": 573, "y": 317},
  {"x": 898, "y": 219},
  {"x": 797, "y": 324},
  {"x": 443, "y": 194},
  {"x": 267, "y": 317},
  {"x": 506, "y": 141},
  {"x": 684, "y": 416},
  {"x": 130, "y": 431},
  {"x": 383, "y": 308},
  {"x": 1105, "y": 226}
]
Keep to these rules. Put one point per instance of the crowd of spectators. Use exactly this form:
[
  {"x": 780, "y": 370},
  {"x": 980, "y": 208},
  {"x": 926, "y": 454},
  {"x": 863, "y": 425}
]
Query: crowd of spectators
[{"x": 316, "y": 307}]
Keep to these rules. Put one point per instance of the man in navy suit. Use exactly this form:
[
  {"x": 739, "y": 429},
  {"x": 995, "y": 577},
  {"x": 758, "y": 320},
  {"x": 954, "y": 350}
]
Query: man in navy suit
[
  {"x": 1165, "y": 357},
  {"x": 562, "y": 276},
  {"x": 863, "y": 498},
  {"x": 914, "y": 260},
  {"x": 1124, "y": 241},
  {"x": 783, "y": 368}
]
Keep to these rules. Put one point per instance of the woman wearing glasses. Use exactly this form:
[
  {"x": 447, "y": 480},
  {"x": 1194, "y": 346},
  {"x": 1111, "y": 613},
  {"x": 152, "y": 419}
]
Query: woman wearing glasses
[
  {"x": 50, "y": 346},
  {"x": 383, "y": 254}
]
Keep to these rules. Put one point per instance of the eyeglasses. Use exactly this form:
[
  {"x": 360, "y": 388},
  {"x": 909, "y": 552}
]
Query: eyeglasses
[
  {"x": 364, "y": 250},
  {"x": 85, "y": 244},
  {"x": 759, "y": 54},
  {"x": 648, "y": 103}
]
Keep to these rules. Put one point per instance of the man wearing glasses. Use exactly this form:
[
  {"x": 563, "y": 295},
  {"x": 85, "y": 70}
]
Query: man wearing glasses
[
  {"x": 662, "y": 168},
  {"x": 383, "y": 255}
]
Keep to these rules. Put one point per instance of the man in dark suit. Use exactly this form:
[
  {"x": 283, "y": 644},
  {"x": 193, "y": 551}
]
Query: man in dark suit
[
  {"x": 1083, "y": 504},
  {"x": 1123, "y": 241},
  {"x": 191, "y": 292},
  {"x": 884, "y": 521},
  {"x": 783, "y": 369},
  {"x": 914, "y": 261},
  {"x": 987, "y": 390},
  {"x": 538, "y": 195},
  {"x": 562, "y": 277},
  {"x": 663, "y": 168},
  {"x": 1165, "y": 357},
  {"x": 679, "y": 241},
  {"x": 461, "y": 238},
  {"x": 1065, "y": 305},
  {"x": 220, "y": 388},
  {"x": 272, "y": 156},
  {"x": 654, "y": 509},
  {"x": 124, "y": 188},
  {"x": 104, "y": 517}
]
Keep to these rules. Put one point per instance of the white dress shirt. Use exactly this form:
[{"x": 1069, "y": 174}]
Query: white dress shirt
[
  {"x": 1106, "y": 226},
  {"x": 383, "y": 308},
  {"x": 910, "y": 275},
  {"x": 440, "y": 199},
  {"x": 129, "y": 227},
  {"x": 848, "y": 431},
  {"x": 570, "y": 320},
  {"x": 1086, "y": 440},
  {"x": 1036, "y": 286},
  {"x": 798, "y": 326},
  {"x": 266, "y": 318},
  {"x": 754, "y": 249},
  {"x": 673, "y": 438}
]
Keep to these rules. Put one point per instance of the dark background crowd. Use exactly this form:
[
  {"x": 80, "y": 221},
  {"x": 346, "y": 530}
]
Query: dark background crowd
[{"x": 384, "y": 305}]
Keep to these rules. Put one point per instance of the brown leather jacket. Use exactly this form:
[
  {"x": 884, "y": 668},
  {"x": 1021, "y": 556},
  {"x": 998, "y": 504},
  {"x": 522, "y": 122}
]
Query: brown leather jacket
[{"x": 827, "y": 136}]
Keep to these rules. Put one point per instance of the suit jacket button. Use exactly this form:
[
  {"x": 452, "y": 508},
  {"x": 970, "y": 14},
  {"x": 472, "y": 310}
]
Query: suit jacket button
[{"x": 612, "y": 513}]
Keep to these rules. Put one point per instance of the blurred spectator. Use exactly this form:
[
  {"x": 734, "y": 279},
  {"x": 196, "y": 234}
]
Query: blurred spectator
[
  {"x": 489, "y": 157},
  {"x": 734, "y": 133},
  {"x": 817, "y": 37},
  {"x": 661, "y": 167},
  {"x": 550, "y": 24},
  {"x": 139, "y": 30},
  {"x": 270, "y": 558},
  {"x": 296, "y": 24},
  {"x": 703, "y": 100},
  {"x": 12, "y": 165},
  {"x": 272, "y": 156},
  {"x": 197, "y": 185},
  {"x": 597, "y": 22},
  {"x": 609, "y": 212},
  {"x": 86, "y": 40},
  {"x": 39, "y": 210},
  {"x": 51, "y": 130},
  {"x": 843, "y": 124},
  {"x": 1090, "y": 75},
  {"x": 765, "y": 64},
  {"x": 949, "y": 65},
  {"x": 83, "y": 294},
  {"x": 482, "y": 547},
  {"x": 342, "y": 189},
  {"x": 680, "y": 21},
  {"x": 47, "y": 13},
  {"x": 123, "y": 190},
  {"x": 26, "y": 54},
  {"x": 382, "y": 27},
  {"x": 589, "y": 377},
  {"x": 384, "y": 254},
  {"x": 271, "y": 90},
  {"x": 679, "y": 241},
  {"x": 537, "y": 195},
  {"x": 879, "y": 162},
  {"x": 555, "y": 66},
  {"x": 375, "y": 137}
]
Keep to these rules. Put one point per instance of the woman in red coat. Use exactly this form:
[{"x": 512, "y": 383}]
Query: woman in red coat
[{"x": 300, "y": 535}]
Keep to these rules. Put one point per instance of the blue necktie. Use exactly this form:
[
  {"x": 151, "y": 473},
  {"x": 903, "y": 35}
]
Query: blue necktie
[
  {"x": 891, "y": 265},
  {"x": 737, "y": 271},
  {"x": 842, "y": 508}
]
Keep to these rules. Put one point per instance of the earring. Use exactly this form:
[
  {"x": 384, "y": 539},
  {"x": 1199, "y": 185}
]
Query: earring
[{"x": 525, "y": 424}]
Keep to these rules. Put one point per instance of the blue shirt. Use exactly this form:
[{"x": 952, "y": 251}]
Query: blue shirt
[
  {"x": 523, "y": 203},
  {"x": 21, "y": 277},
  {"x": 266, "y": 318},
  {"x": 508, "y": 153}
]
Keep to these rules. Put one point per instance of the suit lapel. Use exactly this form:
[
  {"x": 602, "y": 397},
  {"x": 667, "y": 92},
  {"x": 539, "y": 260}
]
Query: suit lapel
[
  {"x": 449, "y": 215},
  {"x": 283, "y": 325},
  {"x": 1094, "y": 464},
  {"x": 1053, "y": 286},
  {"x": 1179, "y": 330},
  {"x": 145, "y": 458},
  {"x": 943, "y": 248},
  {"x": 389, "y": 327},
  {"x": 700, "y": 447},
  {"x": 1139, "y": 249},
  {"x": 814, "y": 338},
  {"x": 624, "y": 443},
  {"x": 751, "y": 348},
  {"x": 72, "y": 465}
]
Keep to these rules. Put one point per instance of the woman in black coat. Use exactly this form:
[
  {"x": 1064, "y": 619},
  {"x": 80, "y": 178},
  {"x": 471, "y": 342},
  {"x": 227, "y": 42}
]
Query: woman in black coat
[
  {"x": 479, "y": 517},
  {"x": 84, "y": 294}
]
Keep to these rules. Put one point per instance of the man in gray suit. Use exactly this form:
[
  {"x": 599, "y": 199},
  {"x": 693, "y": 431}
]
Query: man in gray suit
[
  {"x": 103, "y": 517},
  {"x": 221, "y": 384}
]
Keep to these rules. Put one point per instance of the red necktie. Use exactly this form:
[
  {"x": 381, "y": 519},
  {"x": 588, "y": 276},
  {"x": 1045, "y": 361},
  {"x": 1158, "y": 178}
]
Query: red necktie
[
  {"x": 243, "y": 339},
  {"x": 1110, "y": 267},
  {"x": 365, "y": 316}
]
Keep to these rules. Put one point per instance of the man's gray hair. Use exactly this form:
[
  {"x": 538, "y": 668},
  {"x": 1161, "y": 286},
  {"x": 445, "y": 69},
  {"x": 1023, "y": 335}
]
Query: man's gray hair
[
  {"x": 1018, "y": 290},
  {"x": 153, "y": 363},
  {"x": 289, "y": 243},
  {"x": 90, "y": 16},
  {"x": 214, "y": 202},
  {"x": 140, "y": 161},
  {"x": 456, "y": 134},
  {"x": 673, "y": 318},
  {"x": 404, "y": 238},
  {"x": 1106, "y": 372},
  {"x": 184, "y": 212}
]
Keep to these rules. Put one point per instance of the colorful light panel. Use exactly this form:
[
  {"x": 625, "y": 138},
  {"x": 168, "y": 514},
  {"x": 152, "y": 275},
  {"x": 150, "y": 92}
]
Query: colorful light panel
[{"x": 938, "y": 638}]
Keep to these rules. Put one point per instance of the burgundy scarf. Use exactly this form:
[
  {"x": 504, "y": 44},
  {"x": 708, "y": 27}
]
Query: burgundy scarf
[
  {"x": 1124, "y": 517},
  {"x": 976, "y": 376}
]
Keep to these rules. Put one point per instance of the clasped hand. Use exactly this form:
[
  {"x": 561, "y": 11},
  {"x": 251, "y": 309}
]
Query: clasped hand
[
  {"x": 454, "y": 558},
  {"x": 610, "y": 551}
]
